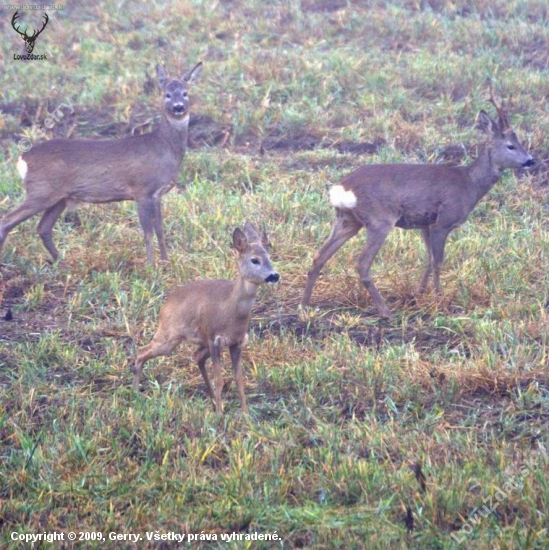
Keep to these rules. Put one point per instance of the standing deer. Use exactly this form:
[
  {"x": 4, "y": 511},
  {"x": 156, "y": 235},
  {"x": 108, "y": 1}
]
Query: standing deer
[
  {"x": 214, "y": 314},
  {"x": 62, "y": 172},
  {"x": 432, "y": 197}
]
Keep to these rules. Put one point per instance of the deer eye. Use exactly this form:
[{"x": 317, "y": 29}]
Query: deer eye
[
  {"x": 255, "y": 261},
  {"x": 185, "y": 94},
  {"x": 168, "y": 96},
  {"x": 511, "y": 147}
]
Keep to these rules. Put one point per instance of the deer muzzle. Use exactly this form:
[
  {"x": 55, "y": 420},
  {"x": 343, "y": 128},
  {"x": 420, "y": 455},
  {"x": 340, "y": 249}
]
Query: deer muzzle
[
  {"x": 272, "y": 278},
  {"x": 529, "y": 163},
  {"x": 179, "y": 109}
]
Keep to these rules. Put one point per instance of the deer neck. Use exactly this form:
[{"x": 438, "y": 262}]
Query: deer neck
[
  {"x": 175, "y": 135},
  {"x": 243, "y": 297},
  {"x": 483, "y": 172}
]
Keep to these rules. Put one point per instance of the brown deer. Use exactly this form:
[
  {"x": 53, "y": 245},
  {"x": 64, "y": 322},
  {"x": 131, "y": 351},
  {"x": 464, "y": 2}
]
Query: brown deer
[
  {"x": 62, "y": 172},
  {"x": 214, "y": 314},
  {"x": 434, "y": 198}
]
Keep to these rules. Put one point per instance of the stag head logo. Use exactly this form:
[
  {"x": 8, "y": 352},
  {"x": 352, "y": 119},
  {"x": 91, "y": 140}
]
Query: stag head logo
[{"x": 29, "y": 40}]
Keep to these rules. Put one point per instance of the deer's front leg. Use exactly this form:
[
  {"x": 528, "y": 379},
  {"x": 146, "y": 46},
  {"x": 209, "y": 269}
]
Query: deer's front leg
[
  {"x": 215, "y": 352},
  {"x": 158, "y": 224},
  {"x": 146, "y": 211},
  {"x": 236, "y": 352}
]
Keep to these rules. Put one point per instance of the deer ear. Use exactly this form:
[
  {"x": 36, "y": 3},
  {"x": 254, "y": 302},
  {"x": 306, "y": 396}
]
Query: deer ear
[
  {"x": 251, "y": 233},
  {"x": 265, "y": 240},
  {"x": 240, "y": 241},
  {"x": 162, "y": 76},
  {"x": 190, "y": 77},
  {"x": 486, "y": 124}
]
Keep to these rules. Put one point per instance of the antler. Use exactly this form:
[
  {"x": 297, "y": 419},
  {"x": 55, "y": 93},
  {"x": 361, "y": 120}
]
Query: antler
[
  {"x": 13, "y": 19},
  {"x": 503, "y": 120},
  {"x": 36, "y": 33},
  {"x": 25, "y": 35}
]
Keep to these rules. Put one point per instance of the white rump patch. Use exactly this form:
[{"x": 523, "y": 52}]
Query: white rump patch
[
  {"x": 341, "y": 198},
  {"x": 22, "y": 168}
]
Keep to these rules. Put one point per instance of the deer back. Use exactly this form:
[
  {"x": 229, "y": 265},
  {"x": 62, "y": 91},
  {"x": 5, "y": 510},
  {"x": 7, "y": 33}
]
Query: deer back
[
  {"x": 219, "y": 307},
  {"x": 116, "y": 169}
]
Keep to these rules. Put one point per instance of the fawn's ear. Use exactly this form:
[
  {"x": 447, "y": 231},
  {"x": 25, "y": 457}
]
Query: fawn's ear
[
  {"x": 252, "y": 233},
  {"x": 265, "y": 240},
  {"x": 240, "y": 241},
  {"x": 190, "y": 77},
  {"x": 486, "y": 124},
  {"x": 162, "y": 76}
]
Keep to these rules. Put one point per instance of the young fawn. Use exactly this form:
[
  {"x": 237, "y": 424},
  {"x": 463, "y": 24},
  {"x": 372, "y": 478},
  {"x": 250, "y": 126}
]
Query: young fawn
[
  {"x": 434, "y": 198},
  {"x": 214, "y": 314},
  {"x": 62, "y": 172}
]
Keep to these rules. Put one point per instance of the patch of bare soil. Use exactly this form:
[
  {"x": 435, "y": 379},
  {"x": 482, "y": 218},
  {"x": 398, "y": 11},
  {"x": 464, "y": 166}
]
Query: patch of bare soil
[
  {"x": 303, "y": 142},
  {"x": 308, "y": 142},
  {"x": 204, "y": 131}
]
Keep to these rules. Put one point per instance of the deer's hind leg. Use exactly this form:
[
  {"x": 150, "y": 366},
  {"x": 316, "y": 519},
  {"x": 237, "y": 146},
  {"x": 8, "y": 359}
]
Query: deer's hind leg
[
  {"x": 28, "y": 209},
  {"x": 376, "y": 237},
  {"x": 45, "y": 227},
  {"x": 163, "y": 343},
  {"x": 201, "y": 355},
  {"x": 345, "y": 227}
]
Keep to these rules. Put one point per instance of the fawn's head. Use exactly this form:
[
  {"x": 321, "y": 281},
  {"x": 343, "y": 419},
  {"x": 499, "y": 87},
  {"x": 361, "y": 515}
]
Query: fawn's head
[
  {"x": 176, "y": 97},
  {"x": 254, "y": 263},
  {"x": 507, "y": 151}
]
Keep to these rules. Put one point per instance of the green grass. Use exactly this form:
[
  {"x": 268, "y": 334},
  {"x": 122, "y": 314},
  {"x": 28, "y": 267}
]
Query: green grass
[{"x": 356, "y": 424}]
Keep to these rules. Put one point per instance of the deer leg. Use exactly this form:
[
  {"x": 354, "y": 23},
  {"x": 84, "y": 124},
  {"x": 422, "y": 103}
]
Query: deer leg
[
  {"x": 215, "y": 352},
  {"x": 374, "y": 241},
  {"x": 29, "y": 208},
  {"x": 45, "y": 227},
  {"x": 159, "y": 229},
  {"x": 201, "y": 355},
  {"x": 236, "y": 352},
  {"x": 345, "y": 227},
  {"x": 156, "y": 348},
  {"x": 426, "y": 234},
  {"x": 146, "y": 211},
  {"x": 438, "y": 241}
]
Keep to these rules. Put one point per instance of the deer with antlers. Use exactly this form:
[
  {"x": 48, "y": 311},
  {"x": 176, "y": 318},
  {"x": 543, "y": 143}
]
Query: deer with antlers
[
  {"x": 29, "y": 40},
  {"x": 434, "y": 198}
]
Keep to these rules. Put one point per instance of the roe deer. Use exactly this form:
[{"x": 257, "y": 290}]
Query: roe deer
[
  {"x": 214, "y": 314},
  {"x": 432, "y": 197},
  {"x": 62, "y": 172}
]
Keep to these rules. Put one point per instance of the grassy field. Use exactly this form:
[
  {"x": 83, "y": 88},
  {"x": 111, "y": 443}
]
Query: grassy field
[{"x": 427, "y": 431}]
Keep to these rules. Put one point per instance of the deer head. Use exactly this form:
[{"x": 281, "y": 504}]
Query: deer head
[{"x": 29, "y": 40}]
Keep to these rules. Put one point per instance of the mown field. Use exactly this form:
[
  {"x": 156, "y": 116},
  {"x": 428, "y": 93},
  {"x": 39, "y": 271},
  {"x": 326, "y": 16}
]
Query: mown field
[{"x": 429, "y": 430}]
